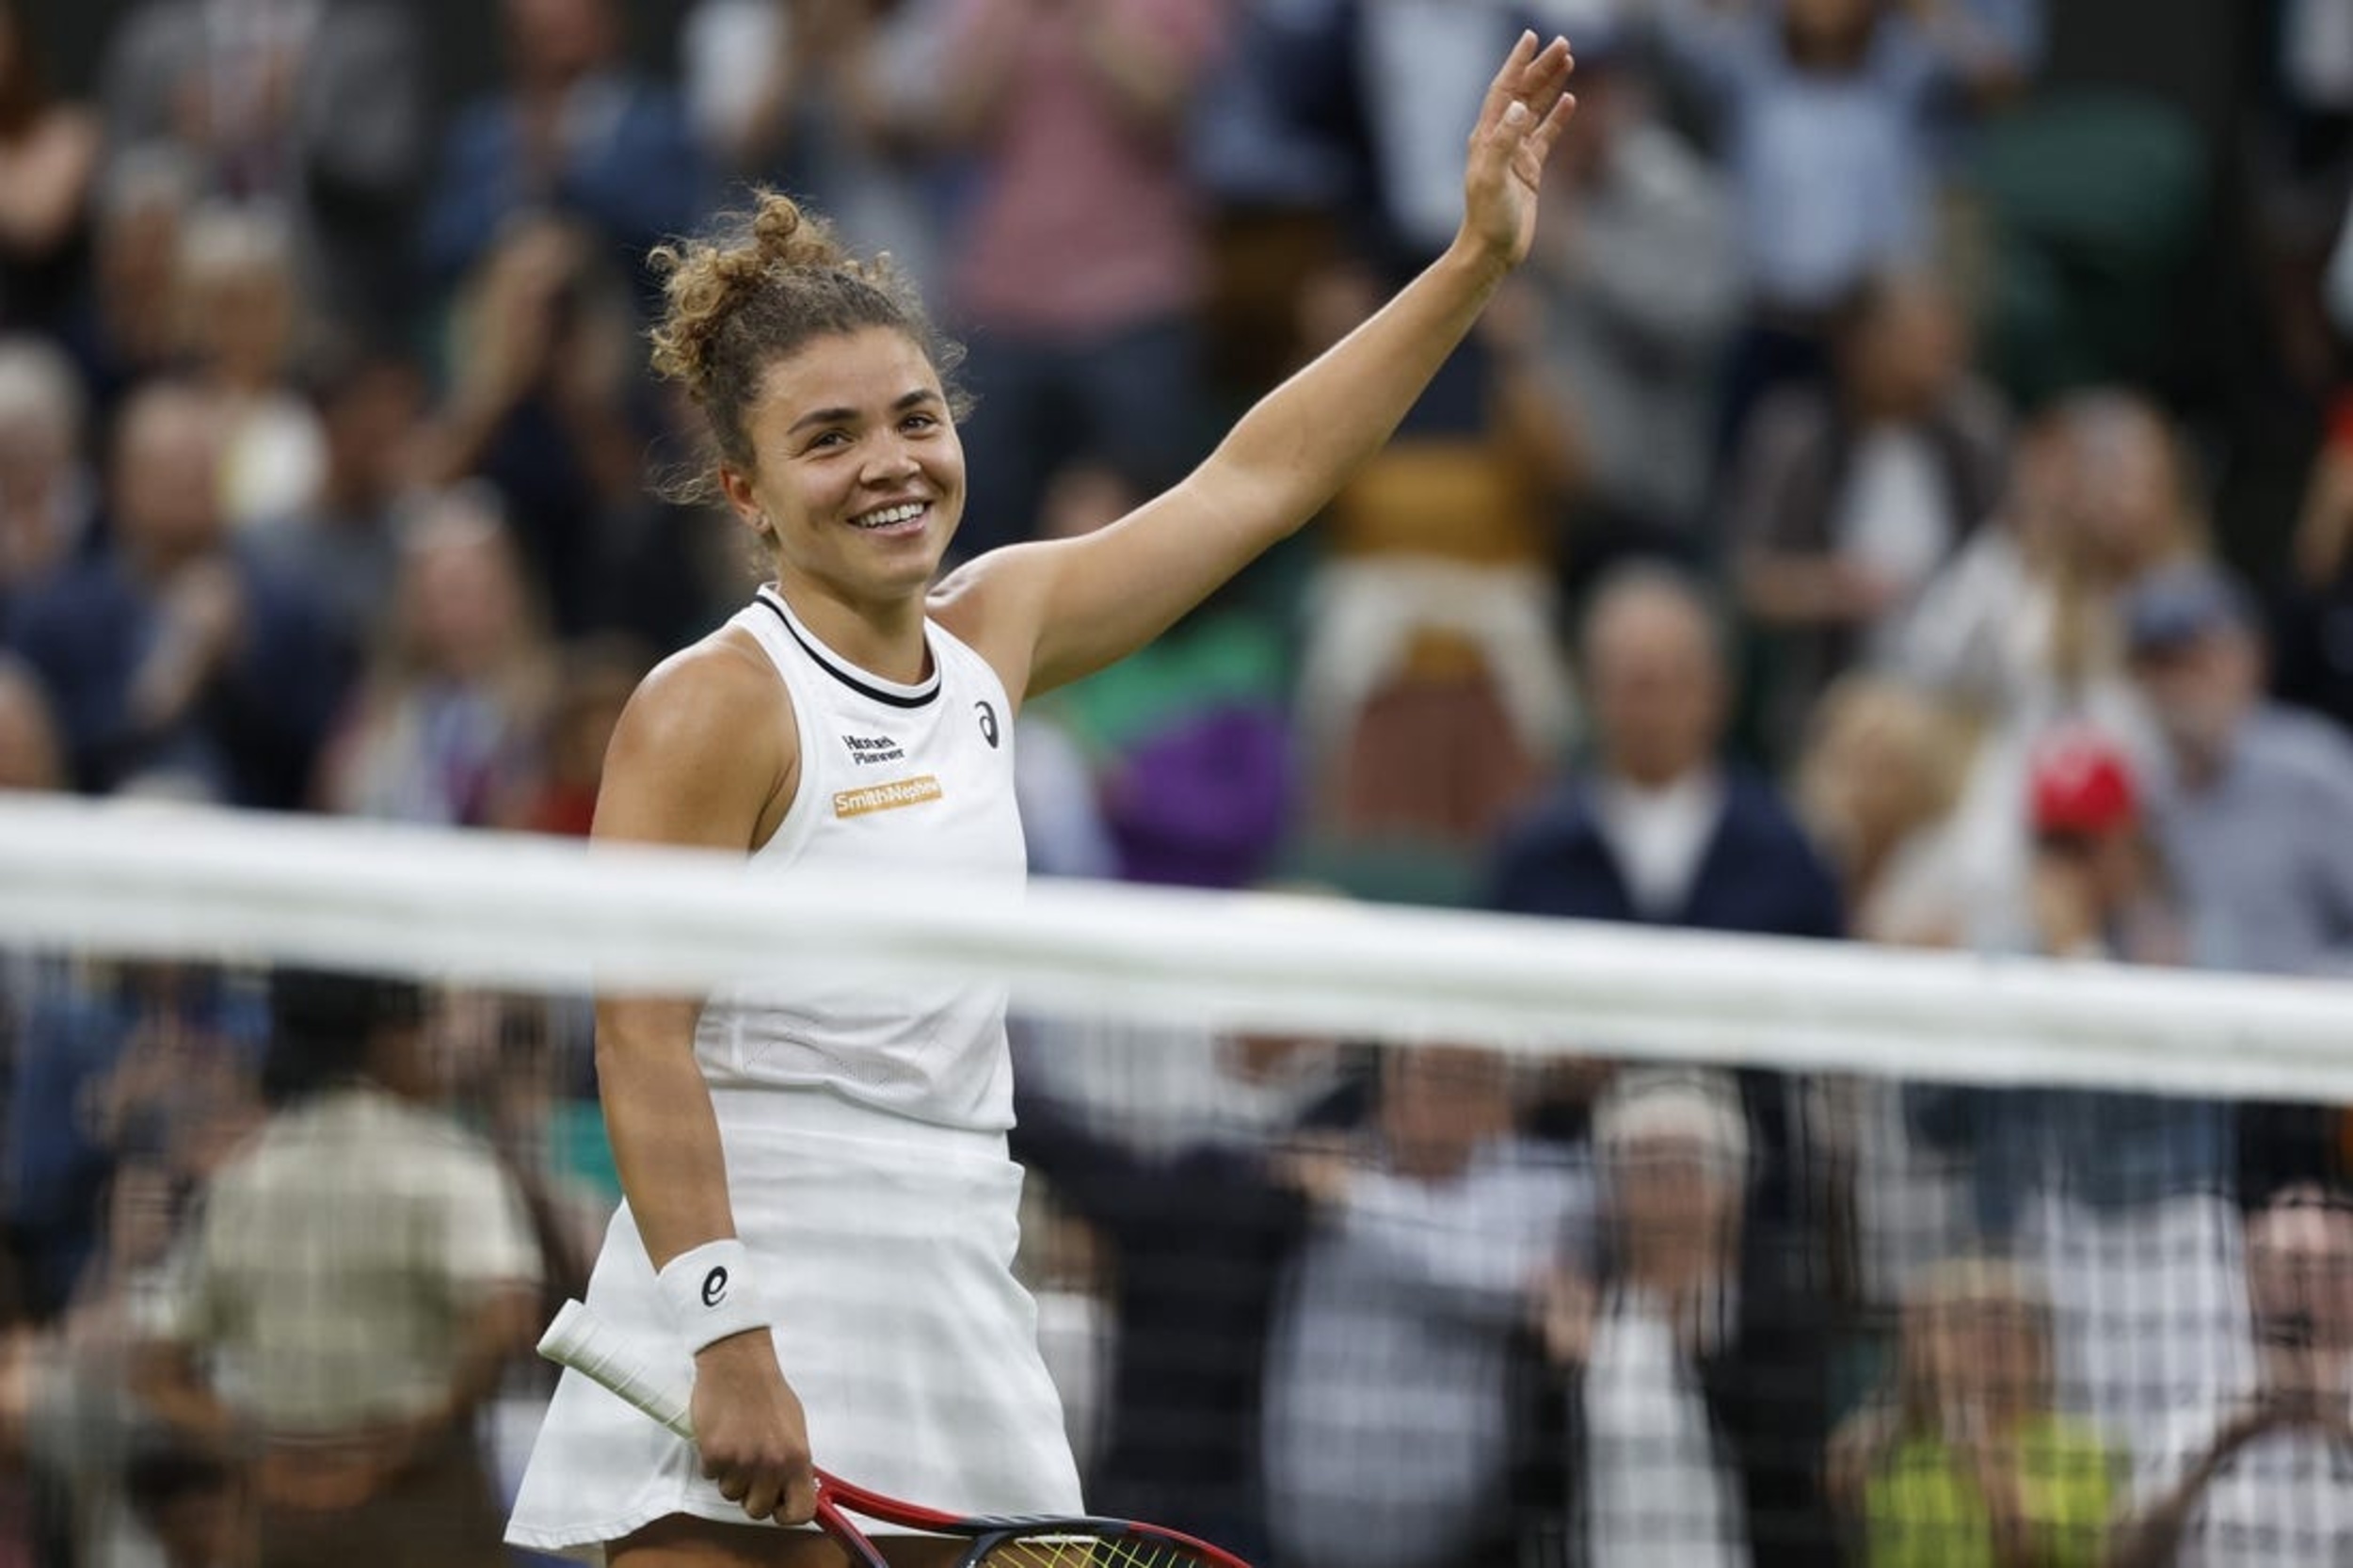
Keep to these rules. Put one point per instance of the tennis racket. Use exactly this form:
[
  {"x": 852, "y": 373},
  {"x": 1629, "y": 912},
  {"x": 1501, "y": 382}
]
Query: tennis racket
[{"x": 579, "y": 1339}]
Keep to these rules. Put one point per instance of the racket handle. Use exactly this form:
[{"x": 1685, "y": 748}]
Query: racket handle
[{"x": 590, "y": 1346}]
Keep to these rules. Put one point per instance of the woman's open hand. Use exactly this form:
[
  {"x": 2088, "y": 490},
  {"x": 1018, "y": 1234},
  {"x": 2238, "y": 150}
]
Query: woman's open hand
[{"x": 1522, "y": 118}]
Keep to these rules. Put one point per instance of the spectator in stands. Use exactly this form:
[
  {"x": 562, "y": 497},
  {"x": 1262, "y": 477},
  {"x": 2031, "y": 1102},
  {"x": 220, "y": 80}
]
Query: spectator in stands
[
  {"x": 1418, "y": 69},
  {"x": 1685, "y": 1400},
  {"x": 125, "y": 329},
  {"x": 1880, "y": 773},
  {"x": 576, "y": 133},
  {"x": 48, "y": 503},
  {"x": 371, "y": 415},
  {"x": 32, "y": 757},
  {"x": 448, "y": 717},
  {"x": 1388, "y": 1414},
  {"x": 241, "y": 328},
  {"x": 176, "y": 661},
  {"x": 2022, "y": 631},
  {"x": 1847, "y": 498},
  {"x": 142, "y": 1063},
  {"x": 541, "y": 406},
  {"x": 2120, "y": 1199},
  {"x": 1198, "y": 1214},
  {"x": 831, "y": 99},
  {"x": 1659, "y": 829},
  {"x": 312, "y": 109},
  {"x": 1965, "y": 1461},
  {"x": 2021, "y": 626},
  {"x": 1433, "y": 698},
  {"x": 355, "y": 1282},
  {"x": 1079, "y": 261},
  {"x": 83, "y": 1433},
  {"x": 1828, "y": 109},
  {"x": 1637, "y": 271},
  {"x": 2258, "y": 1474},
  {"x": 49, "y": 153},
  {"x": 2252, "y": 798}
]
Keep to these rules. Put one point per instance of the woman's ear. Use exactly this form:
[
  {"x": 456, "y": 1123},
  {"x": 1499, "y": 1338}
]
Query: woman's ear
[{"x": 737, "y": 487}]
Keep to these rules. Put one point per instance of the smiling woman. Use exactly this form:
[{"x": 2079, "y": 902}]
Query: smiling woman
[{"x": 833, "y": 1157}]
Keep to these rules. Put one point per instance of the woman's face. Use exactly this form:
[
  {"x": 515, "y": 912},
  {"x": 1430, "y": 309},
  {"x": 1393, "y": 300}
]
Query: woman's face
[{"x": 859, "y": 473}]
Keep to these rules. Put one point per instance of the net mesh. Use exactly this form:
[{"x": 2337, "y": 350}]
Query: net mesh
[{"x": 1355, "y": 1236}]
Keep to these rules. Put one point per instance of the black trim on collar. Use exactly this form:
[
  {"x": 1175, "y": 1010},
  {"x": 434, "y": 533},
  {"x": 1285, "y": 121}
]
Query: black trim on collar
[{"x": 832, "y": 664}]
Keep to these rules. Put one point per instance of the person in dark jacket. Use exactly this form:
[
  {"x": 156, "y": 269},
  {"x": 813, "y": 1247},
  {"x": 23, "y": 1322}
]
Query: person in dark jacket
[
  {"x": 1659, "y": 830},
  {"x": 1677, "y": 1406}
]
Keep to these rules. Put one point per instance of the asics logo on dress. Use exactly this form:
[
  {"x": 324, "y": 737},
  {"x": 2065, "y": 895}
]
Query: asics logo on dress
[{"x": 989, "y": 724}]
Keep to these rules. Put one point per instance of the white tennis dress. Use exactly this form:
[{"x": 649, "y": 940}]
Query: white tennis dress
[{"x": 865, "y": 1140}]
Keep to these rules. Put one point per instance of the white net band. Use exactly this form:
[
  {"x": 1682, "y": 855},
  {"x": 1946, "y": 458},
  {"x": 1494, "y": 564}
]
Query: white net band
[{"x": 486, "y": 909}]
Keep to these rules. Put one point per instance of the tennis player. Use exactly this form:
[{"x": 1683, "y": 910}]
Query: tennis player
[{"x": 821, "y": 1210}]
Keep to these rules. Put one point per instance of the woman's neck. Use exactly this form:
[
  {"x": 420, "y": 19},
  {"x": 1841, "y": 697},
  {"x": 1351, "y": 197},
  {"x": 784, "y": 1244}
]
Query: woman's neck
[{"x": 884, "y": 639}]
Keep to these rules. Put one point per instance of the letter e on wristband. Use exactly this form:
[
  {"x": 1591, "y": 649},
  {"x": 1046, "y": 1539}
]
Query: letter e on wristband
[{"x": 711, "y": 1293}]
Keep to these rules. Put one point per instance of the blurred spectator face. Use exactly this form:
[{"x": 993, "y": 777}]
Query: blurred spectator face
[
  {"x": 1674, "y": 1150},
  {"x": 1672, "y": 1190},
  {"x": 371, "y": 422},
  {"x": 1439, "y": 1104},
  {"x": 31, "y": 756},
  {"x": 2201, "y": 690},
  {"x": 1904, "y": 349},
  {"x": 1656, "y": 682},
  {"x": 559, "y": 41},
  {"x": 2299, "y": 1275},
  {"x": 40, "y": 434},
  {"x": 2196, "y": 655},
  {"x": 2128, "y": 497},
  {"x": 1829, "y": 32},
  {"x": 1883, "y": 762},
  {"x": 166, "y": 475},
  {"x": 141, "y": 217},
  {"x": 237, "y": 297},
  {"x": 461, "y": 601},
  {"x": 1979, "y": 1342}
]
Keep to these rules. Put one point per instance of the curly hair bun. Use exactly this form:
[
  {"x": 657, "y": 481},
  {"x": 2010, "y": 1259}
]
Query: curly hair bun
[{"x": 772, "y": 280}]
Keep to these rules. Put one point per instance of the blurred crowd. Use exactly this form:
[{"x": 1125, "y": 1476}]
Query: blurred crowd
[{"x": 1824, "y": 535}]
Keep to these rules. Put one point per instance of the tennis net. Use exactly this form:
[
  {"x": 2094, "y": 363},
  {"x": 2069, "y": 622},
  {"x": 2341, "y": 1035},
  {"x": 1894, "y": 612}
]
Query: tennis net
[{"x": 1363, "y": 1236}]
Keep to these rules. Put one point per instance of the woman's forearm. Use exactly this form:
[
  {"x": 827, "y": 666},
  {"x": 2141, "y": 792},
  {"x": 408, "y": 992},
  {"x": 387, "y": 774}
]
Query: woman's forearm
[{"x": 666, "y": 1137}]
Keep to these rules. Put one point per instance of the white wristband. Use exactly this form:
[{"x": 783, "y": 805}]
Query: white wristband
[{"x": 710, "y": 1292}]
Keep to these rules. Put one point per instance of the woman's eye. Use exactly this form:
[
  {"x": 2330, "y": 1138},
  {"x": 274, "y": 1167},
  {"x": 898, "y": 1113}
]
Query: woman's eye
[{"x": 918, "y": 422}]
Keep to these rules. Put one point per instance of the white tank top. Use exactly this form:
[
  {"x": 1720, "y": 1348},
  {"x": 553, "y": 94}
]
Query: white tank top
[{"x": 892, "y": 775}]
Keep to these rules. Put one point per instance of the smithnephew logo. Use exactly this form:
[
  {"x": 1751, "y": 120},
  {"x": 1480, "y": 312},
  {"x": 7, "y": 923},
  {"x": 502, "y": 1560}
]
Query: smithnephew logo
[{"x": 886, "y": 797}]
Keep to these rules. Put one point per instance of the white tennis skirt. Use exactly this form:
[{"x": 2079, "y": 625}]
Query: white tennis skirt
[{"x": 885, "y": 1249}]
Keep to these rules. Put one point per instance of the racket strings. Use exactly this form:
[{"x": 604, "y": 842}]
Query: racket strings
[{"x": 1086, "y": 1552}]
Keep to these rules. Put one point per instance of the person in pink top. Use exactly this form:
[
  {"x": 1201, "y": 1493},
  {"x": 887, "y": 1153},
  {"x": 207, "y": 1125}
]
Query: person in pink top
[{"x": 1079, "y": 261}]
